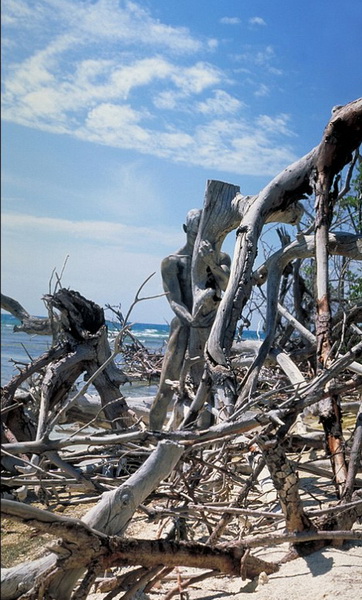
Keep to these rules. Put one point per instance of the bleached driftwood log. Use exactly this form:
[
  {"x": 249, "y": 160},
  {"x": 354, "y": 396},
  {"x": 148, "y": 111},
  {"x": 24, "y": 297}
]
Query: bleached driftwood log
[
  {"x": 88, "y": 408},
  {"x": 111, "y": 516},
  {"x": 342, "y": 136},
  {"x": 285, "y": 189}
]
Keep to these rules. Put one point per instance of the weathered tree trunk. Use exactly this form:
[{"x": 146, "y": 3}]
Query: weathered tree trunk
[
  {"x": 220, "y": 215},
  {"x": 84, "y": 348},
  {"x": 285, "y": 478},
  {"x": 283, "y": 191},
  {"x": 342, "y": 135}
]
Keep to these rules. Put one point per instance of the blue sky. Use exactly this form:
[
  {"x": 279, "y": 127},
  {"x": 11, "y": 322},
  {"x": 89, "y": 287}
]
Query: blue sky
[{"x": 116, "y": 113}]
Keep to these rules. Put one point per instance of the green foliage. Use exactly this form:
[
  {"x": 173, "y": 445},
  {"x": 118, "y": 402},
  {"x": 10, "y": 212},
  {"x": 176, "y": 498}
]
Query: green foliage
[
  {"x": 352, "y": 203},
  {"x": 355, "y": 285},
  {"x": 345, "y": 276}
]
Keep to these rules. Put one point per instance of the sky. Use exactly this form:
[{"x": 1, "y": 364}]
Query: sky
[{"x": 116, "y": 113}]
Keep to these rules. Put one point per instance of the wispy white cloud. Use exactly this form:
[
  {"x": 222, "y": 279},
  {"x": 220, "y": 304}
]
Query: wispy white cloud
[
  {"x": 220, "y": 103},
  {"x": 20, "y": 12},
  {"x": 34, "y": 90},
  {"x": 257, "y": 21},
  {"x": 277, "y": 124},
  {"x": 103, "y": 20},
  {"x": 115, "y": 125},
  {"x": 108, "y": 233},
  {"x": 169, "y": 100},
  {"x": 262, "y": 90},
  {"x": 212, "y": 145},
  {"x": 262, "y": 58},
  {"x": 230, "y": 20},
  {"x": 133, "y": 24},
  {"x": 239, "y": 146},
  {"x": 111, "y": 73},
  {"x": 197, "y": 78}
]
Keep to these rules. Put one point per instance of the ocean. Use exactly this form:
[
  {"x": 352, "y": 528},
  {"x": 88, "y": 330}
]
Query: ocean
[{"x": 21, "y": 347}]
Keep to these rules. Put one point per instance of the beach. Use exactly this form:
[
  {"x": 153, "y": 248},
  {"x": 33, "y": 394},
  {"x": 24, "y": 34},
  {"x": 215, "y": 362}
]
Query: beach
[{"x": 331, "y": 572}]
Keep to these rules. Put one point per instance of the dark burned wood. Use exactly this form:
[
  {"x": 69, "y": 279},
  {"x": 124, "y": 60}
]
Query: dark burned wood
[
  {"x": 79, "y": 317},
  {"x": 83, "y": 348},
  {"x": 83, "y": 325},
  {"x": 225, "y": 558},
  {"x": 88, "y": 544},
  {"x": 342, "y": 136}
]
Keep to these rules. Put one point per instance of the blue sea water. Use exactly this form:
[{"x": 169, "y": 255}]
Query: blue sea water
[{"x": 21, "y": 347}]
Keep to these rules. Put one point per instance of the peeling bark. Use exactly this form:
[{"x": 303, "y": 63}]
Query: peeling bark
[
  {"x": 342, "y": 136},
  {"x": 286, "y": 480}
]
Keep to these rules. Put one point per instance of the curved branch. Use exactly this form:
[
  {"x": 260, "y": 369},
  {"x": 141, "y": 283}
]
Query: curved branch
[
  {"x": 343, "y": 244},
  {"x": 344, "y": 129},
  {"x": 29, "y": 324}
]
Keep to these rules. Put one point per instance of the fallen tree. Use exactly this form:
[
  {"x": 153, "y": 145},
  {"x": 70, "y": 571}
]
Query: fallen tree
[{"x": 210, "y": 483}]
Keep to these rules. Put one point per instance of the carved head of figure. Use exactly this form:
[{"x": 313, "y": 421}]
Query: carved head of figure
[{"x": 192, "y": 222}]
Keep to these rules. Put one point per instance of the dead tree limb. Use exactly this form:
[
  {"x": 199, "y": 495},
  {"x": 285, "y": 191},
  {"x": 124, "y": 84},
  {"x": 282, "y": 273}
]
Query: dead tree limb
[
  {"x": 281, "y": 193},
  {"x": 29, "y": 324},
  {"x": 285, "y": 478},
  {"x": 342, "y": 136},
  {"x": 81, "y": 546},
  {"x": 110, "y": 516},
  {"x": 343, "y": 244}
]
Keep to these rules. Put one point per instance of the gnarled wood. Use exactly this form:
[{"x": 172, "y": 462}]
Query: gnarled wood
[
  {"x": 342, "y": 136},
  {"x": 29, "y": 324}
]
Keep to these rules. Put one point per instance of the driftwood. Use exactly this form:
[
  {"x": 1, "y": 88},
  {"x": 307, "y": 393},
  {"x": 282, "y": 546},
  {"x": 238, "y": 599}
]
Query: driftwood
[
  {"x": 112, "y": 551},
  {"x": 341, "y": 137},
  {"x": 232, "y": 459},
  {"x": 176, "y": 277},
  {"x": 29, "y": 324},
  {"x": 82, "y": 348}
]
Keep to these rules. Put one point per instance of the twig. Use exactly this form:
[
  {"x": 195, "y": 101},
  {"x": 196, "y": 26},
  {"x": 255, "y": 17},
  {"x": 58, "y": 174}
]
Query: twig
[
  {"x": 184, "y": 584},
  {"x": 297, "y": 538}
]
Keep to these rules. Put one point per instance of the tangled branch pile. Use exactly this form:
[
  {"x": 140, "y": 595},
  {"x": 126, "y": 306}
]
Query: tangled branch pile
[{"x": 255, "y": 452}]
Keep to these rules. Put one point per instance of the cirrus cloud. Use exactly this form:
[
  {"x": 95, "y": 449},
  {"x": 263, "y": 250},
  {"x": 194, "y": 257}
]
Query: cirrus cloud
[{"x": 108, "y": 72}]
